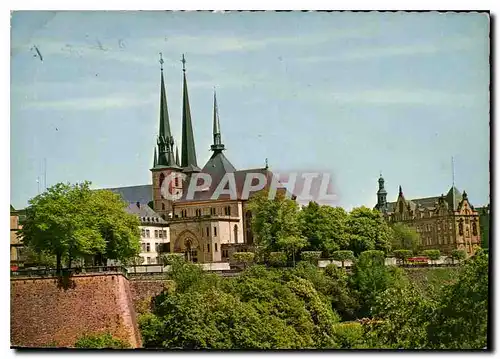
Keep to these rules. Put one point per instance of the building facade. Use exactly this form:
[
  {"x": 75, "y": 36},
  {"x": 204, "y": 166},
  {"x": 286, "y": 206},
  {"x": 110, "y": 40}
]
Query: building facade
[
  {"x": 445, "y": 222},
  {"x": 16, "y": 243},
  {"x": 155, "y": 236},
  {"x": 203, "y": 228}
]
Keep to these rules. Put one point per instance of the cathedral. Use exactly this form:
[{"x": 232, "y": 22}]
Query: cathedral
[
  {"x": 445, "y": 222},
  {"x": 202, "y": 228}
]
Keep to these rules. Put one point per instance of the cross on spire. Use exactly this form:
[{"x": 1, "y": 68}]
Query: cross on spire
[
  {"x": 183, "y": 63},
  {"x": 161, "y": 61}
]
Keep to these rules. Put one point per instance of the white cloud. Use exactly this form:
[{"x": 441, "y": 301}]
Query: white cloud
[
  {"x": 93, "y": 103},
  {"x": 368, "y": 53}
]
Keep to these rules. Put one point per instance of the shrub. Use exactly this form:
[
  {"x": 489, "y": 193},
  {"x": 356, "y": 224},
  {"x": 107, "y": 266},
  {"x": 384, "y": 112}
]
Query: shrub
[
  {"x": 311, "y": 256},
  {"x": 244, "y": 257},
  {"x": 348, "y": 335},
  {"x": 277, "y": 259},
  {"x": 100, "y": 341},
  {"x": 373, "y": 256},
  {"x": 433, "y": 254},
  {"x": 343, "y": 256},
  {"x": 171, "y": 258},
  {"x": 402, "y": 254},
  {"x": 458, "y": 254}
]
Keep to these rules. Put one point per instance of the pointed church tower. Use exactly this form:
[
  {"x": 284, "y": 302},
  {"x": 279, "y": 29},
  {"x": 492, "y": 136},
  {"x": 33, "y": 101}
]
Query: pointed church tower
[
  {"x": 188, "y": 155},
  {"x": 164, "y": 164},
  {"x": 381, "y": 195},
  {"x": 218, "y": 164}
]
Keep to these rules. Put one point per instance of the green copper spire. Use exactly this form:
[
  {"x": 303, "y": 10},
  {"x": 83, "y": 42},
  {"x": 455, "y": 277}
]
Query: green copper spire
[
  {"x": 177, "y": 162},
  {"x": 188, "y": 155},
  {"x": 217, "y": 146},
  {"x": 165, "y": 140}
]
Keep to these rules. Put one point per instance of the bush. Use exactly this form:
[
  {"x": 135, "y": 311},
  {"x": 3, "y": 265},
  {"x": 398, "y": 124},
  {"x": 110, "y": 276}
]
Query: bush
[
  {"x": 402, "y": 254},
  {"x": 244, "y": 257},
  {"x": 343, "y": 256},
  {"x": 277, "y": 259},
  {"x": 311, "y": 256},
  {"x": 373, "y": 256},
  {"x": 458, "y": 254},
  {"x": 100, "y": 341},
  {"x": 433, "y": 254},
  {"x": 171, "y": 258},
  {"x": 348, "y": 335}
]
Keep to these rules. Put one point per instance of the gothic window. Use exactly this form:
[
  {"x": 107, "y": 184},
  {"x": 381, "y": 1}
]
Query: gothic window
[
  {"x": 208, "y": 247},
  {"x": 461, "y": 227},
  {"x": 208, "y": 231},
  {"x": 474, "y": 229},
  {"x": 235, "y": 233},
  {"x": 215, "y": 244},
  {"x": 215, "y": 231}
]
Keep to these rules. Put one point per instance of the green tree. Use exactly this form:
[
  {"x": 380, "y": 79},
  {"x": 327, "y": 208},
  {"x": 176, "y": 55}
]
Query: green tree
[
  {"x": 370, "y": 278},
  {"x": 32, "y": 258},
  {"x": 246, "y": 258},
  {"x": 101, "y": 341},
  {"x": 292, "y": 245},
  {"x": 277, "y": 259},
  {"x": 75, "y": 222},
  {"x": 311, "y": 256},
  {"x": 272, "y": 219},
  {"x": 324, "y": 227},
  {"x": 461, "y": 320},
  {"x": 402, "y": 254},
  {"x": 343, "y": 256},
  {"x": 458, "y": 254},
  {"x": 405, "y": 237},
  {"x": 402, "y": 315},
  {"x": 367, "y": 230},
  {"x": 433, "y": 254}
]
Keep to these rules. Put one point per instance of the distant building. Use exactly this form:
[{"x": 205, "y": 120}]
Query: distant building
[
  {"x": 484, "y": 224},
  {"x": 155, "y": 236},
  {"x": 445, "y": 222},
  {"x": 16, "y": 243}
]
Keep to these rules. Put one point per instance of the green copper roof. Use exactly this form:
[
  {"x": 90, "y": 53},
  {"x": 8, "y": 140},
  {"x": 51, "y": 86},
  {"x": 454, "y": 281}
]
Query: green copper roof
[
  {"x": 188, "y": 155},
  {"x": 217, "y": 146}
]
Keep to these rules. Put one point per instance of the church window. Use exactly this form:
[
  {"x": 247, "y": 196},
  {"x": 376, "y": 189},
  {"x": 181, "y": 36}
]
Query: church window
[
  {"x": 208, "y": 247},
  {"x": 148, "y": 247},
  {"x": 163, "y": 206},
  {"x": 215, "y": 231},
  {"x": 235, "y": 233},
  {"x": 215, "y": 244},
  {"x": 208, "y": 231},
  {"x": 147, "y": 233},
  {"x": 474, "y": 228}
]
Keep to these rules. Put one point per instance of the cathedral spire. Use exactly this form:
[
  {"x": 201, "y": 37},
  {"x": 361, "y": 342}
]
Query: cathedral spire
[
  {"x": 177, "y": 162},
  {"x": 188, "y": 155},
  {"x": 165, "y": 139},
  {"x": 217, "y": 146},
  {"x": 381, "y": 195}
]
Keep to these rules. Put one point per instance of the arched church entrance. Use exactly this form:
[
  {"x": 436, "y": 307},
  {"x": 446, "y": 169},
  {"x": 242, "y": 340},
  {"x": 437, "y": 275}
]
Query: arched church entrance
[{"x": 189, "y": 246}]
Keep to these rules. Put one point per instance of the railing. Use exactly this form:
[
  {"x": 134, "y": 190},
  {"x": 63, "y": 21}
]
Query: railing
[{"x": 44, "y": 272}]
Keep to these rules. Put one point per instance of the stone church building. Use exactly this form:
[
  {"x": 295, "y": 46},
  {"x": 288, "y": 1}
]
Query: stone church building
[
  {"x": 445, "y": 222},
  {"x": 202, "y": 228}
]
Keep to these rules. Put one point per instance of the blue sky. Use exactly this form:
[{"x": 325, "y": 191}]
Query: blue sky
[{"x": 350, "y": 93}]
